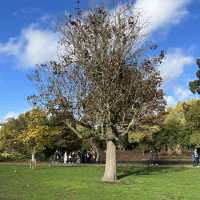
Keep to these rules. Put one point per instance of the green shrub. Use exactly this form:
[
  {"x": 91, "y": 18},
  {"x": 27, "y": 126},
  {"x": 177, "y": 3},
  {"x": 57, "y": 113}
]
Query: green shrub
[{"x": 5, "y": 156}]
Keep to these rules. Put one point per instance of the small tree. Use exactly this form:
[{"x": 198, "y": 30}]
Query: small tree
[
  {"x": 36, "y": 133},
  {"x": 105, "y": 78}
]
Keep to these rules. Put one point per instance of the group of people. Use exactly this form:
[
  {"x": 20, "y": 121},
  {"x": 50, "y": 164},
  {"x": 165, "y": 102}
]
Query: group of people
[
  {"x": 90, "y": 157},
  {"x": 195, "y": 158},
  {"x": 75, "y": 157},
  {"x": 72, "y": 157}
]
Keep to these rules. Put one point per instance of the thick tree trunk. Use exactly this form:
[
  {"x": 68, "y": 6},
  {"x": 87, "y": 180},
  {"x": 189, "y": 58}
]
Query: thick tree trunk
[
  {"x": 33, "y": 159},
  {"x": 110, "y": 174}
]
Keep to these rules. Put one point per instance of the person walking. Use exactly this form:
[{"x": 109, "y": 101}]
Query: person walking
[
  {"x": 193, "y": 158},
  {"x": 151, "y": 158},
  {"x": 196, "y": 155}
]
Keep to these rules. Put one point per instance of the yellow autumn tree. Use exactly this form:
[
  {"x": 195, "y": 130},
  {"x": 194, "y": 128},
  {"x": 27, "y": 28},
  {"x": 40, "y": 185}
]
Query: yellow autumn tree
[{"x": 37, "y": 133}]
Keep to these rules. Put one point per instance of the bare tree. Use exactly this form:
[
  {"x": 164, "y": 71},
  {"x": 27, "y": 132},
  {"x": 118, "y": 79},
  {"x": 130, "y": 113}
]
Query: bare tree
[{"x": 104, "y": 78}]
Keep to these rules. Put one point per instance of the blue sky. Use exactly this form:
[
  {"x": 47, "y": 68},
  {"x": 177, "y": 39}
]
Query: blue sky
[{"x": 28, "y": 37}]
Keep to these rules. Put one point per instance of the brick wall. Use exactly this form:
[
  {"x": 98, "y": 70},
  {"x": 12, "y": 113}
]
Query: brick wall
[{"x": 126, "y": 156}]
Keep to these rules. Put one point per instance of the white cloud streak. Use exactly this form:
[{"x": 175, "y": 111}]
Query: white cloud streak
[
  {"x": 180, "y": 94},
  {"x": 33, "y": 46},
  {"x": 171, "y": 101},
  {"x": 161, "y": 13},
  {"x": 174, "y": 64},
  {"x": 8, "y": 116}
]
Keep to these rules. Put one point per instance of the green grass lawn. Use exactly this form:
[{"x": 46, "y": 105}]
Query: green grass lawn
[{"x": 83, "y": 183}]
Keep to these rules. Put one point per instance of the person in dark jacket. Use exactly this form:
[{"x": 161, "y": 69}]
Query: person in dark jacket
[
  {"x": 151, "y": 157},
  {"x": 193, "y": 158},
  {"x": 196, "y": 155}
]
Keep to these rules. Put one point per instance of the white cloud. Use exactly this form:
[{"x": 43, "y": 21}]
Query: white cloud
[
  {"x": 13, "y": 114},
  {"x": 180, "y": 94},
  {"x": 159, "y": 13},
  {"x": 174, "y": 63},
  {"x": 171, "y": 101},
  {"x": 9, "y": 115},
  {"x": 11, "y": 47},
  {"x": 34, "y": 46}
]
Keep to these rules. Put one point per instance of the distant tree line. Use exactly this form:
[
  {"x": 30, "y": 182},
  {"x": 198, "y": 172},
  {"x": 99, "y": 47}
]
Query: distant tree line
[{"x": 34, "y": 132}]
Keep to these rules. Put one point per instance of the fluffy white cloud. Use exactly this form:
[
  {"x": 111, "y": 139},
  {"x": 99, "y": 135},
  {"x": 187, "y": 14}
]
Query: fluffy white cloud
[
  {"x": 33, "y": 46},
  {"x": 13, "y": 114},
  {"x": 159, "y": 13},
  {"x": 9, "y": 115},
  {"x": 180, "y": 94},
  {"x": 174, "y": 63},
  {"x": 171, "y": 101}
]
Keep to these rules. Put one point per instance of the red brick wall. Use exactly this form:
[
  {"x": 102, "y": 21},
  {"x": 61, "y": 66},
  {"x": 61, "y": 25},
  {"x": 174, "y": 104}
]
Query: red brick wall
[{"x": 126, "y": 156}]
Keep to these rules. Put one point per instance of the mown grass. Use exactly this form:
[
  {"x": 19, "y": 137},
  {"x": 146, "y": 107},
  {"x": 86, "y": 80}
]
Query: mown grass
[{"x": 83, "y": 183}]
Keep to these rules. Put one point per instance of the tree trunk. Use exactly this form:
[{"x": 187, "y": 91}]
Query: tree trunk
[
  {"x": 110, "y": 174},
  {"x": 95, "y": 147},
  {"x": 33, "y": 159}
]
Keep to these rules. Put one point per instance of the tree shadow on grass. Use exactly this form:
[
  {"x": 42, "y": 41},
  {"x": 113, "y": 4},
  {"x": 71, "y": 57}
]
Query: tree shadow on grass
[{"x": 141, "y": 171}]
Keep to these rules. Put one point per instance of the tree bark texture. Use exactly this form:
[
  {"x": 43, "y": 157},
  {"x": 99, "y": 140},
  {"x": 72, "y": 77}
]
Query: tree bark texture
[
  {"x": 33, "y": 159},
  {"x": 110, "y": 174}
]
